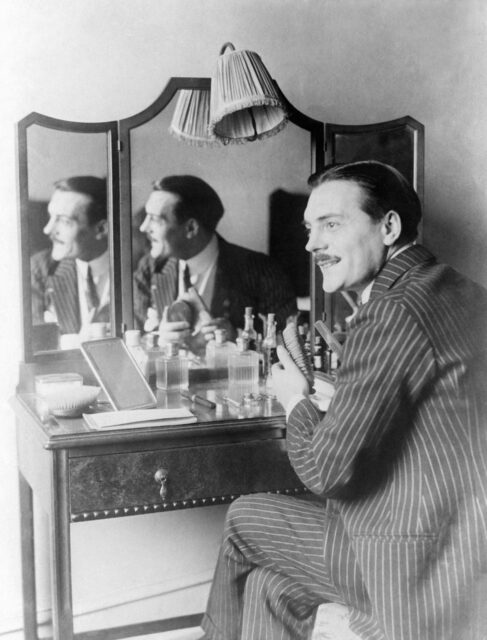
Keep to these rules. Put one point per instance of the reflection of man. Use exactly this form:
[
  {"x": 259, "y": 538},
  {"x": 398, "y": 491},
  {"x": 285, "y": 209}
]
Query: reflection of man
[
  {"x": 182, "y": 213},
  {"x": 71, "y": 280},
  {"x": 399, "y": 460}
]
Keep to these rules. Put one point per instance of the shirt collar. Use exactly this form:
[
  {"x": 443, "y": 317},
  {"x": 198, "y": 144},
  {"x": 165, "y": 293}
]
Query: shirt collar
[{"x": 99, "y": 266}]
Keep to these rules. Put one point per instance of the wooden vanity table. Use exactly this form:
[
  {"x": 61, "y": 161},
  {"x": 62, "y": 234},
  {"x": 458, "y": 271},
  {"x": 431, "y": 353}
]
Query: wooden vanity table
[{"x": 79, "y": 474}]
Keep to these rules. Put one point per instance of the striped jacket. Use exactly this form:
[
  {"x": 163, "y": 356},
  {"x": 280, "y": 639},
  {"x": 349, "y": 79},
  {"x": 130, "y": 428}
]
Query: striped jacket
[
  {"x": 244, "y": 278},
  {"x": 401, "y": 454},
  {"x": 56, "y": 284}
]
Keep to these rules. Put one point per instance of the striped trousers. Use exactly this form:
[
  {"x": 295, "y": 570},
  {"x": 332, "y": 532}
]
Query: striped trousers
[{"x": 272, "y": 572}]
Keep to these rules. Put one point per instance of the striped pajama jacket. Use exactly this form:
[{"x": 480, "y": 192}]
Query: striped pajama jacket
[
  {"x": 56, "y": 284},
  {"x": 398, "y": 466},
  {"x": 243, "y": 278}
]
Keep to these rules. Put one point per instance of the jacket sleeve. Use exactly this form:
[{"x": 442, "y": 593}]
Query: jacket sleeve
[{"x": 387, "y": 365}]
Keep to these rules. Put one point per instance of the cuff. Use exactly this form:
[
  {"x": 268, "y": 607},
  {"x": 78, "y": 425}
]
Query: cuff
[{"x": 292, "y": 402}]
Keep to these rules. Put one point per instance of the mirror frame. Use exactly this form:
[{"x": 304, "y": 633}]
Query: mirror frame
[
  {"x": 110, "y": 128},
  {"x": 316, "y": 129},
  {"x": 120, "y": 197}
]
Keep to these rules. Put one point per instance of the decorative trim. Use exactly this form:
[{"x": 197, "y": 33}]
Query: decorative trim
[{"x": 170, "y": 505}]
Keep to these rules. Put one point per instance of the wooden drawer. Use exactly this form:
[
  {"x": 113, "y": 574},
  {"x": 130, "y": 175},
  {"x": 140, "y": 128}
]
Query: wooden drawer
[{"x": 123, "y": 484}]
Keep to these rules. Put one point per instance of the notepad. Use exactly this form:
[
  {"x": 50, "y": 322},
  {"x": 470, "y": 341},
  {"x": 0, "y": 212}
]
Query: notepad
[{"x": 139, "y": 418}]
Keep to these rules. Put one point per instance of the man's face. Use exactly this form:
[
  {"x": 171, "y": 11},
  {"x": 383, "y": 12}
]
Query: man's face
[
  {"x": 68, "y": 228},
  {"x": 347, "y": 243},
  {"x": 166, "y": 235}
]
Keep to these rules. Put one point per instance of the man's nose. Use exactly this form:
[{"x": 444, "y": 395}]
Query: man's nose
[
  {"x": 315, "y": 242},
  {"x": 145, "y": 225},
  {"x": 48, "y": 229}
]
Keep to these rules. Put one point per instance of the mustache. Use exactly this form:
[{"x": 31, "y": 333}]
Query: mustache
[{"x": 322, "y": 256}]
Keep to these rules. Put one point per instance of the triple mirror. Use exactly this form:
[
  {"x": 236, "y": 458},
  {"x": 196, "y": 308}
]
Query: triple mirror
[{"x": 262, "y": 184}]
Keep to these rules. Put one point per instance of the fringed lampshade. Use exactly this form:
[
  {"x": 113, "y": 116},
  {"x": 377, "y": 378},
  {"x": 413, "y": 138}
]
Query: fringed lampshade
[
  {"x": 191, "y": 118},
  {"x": 245, "y": 104}
]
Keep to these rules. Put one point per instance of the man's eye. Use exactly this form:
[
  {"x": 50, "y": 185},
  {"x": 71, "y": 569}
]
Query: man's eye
[{"x": 331, "y": 225}]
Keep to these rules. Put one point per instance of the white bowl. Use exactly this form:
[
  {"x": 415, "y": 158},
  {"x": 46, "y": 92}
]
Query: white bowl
[{"x": 71, "y": 402}]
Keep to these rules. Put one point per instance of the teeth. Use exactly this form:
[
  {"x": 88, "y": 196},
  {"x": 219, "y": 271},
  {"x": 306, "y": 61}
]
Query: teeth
[{"x": 328, "y": 263}]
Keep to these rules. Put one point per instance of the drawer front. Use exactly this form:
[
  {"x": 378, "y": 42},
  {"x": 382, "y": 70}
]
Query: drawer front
[{"x": 124, "y": 484}]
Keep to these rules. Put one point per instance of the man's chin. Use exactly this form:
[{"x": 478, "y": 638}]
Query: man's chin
[{"x": 58, "y": 254}]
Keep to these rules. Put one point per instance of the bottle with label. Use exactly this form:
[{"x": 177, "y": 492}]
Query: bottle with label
[
  {"x": 218, "y": 350},
  {"x": 132, "y": 340},
  {"x": 172, "y": 369},
  {"x": 249, "y": 333},
  {"x": 243, "y": 371},
  {"x": 318, "y": 360}
]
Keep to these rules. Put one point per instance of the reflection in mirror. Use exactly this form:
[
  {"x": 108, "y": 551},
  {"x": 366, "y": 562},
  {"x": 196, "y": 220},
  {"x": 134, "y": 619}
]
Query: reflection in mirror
[
  {"x": 230, "y": 269},
  {"x": 68, "y": 237}
]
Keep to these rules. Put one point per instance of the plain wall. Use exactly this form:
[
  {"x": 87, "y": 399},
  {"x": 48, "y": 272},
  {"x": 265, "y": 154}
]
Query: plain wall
[{"x": 342, "y": 61}]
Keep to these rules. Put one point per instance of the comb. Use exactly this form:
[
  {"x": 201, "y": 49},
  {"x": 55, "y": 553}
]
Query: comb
[
  {"x": 329, "y": 338},
  {"x": 295, "y": 347}
]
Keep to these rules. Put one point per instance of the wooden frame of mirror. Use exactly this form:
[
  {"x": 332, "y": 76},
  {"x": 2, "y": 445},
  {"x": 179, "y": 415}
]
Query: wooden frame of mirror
[
  {"x": 119, "y": 175},
  {"x": 110, "y": 131}
]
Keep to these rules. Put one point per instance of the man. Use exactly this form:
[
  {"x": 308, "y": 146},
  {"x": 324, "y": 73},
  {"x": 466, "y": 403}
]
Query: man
[
  {"x": 70, "y": 281},
  {"x": 182, "y": 214},
  {"x": 398, "y": 462}
]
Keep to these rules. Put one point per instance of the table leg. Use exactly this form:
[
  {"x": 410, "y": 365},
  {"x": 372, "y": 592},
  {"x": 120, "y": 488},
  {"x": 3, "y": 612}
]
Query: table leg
[
  {"x": 28, "y": 559},
  {"x": 59, "y": 520}
]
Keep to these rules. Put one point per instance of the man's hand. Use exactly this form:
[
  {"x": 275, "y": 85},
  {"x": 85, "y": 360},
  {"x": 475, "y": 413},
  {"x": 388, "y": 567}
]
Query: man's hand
[
  {"x": 177, "y": 331},
  {"x": 287, "y": 379}
]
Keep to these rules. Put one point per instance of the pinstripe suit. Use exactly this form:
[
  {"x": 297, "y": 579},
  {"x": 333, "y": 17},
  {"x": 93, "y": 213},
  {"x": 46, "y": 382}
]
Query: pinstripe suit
[
  {"x": 56, "y": 283},
  {"x": 400, "y": 458},
  {"x": 244, "y": 278}
]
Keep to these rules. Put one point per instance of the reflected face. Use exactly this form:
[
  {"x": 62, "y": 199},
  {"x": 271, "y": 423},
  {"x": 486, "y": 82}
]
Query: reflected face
[
  {"x": 347, "y": 243},
  {"x": 166, "y": 235},
  {"x": 69, "y": 230}
]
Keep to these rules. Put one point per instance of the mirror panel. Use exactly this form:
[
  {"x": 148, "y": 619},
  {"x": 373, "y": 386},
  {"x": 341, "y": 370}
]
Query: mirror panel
[
  {"x": 263, "y": 185},
  {"x": 58, "y": 312}
]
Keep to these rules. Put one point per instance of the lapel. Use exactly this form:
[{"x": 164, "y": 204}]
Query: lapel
[
  {"x": 63, "y": 287},
  {"x": 164, "y": 285},
  {"x": 397, "y": 266}
]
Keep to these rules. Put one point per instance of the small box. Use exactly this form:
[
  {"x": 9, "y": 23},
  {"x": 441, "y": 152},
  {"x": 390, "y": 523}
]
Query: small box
[{"x": 52, "y": 383}]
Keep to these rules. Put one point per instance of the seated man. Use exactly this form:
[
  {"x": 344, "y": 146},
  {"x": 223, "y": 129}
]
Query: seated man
[
  {"x": 182, "y": 214},
  {"x": 70, "y": 281},
  {"x": 398, "y": 531}
]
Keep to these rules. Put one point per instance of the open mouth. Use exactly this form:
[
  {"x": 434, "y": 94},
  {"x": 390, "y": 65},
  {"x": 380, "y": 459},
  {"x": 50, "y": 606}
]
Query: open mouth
[{"x": 327, "y": 261}]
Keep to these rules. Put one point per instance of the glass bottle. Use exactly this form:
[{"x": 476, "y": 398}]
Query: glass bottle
[
  {"x": 172, "y": 369},
  {"x": 218, "y": 350},
  {"x": 243, "y": 371},
  {"x": 318, "y": 363},
  {"x": 153, "y": 351},
  {"x": 132, "y": 340},
  {"x": 269, "y": 345},
  {"x": 249, "y": 333}
]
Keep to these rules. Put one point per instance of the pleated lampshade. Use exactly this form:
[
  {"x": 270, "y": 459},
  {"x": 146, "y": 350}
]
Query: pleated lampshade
[
  {"x": 245, "y": 104},
  {"x": 191, "y": 118}
]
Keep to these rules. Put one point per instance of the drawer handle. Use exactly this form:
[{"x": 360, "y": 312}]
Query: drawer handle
[{"x": 161, "y": 476}]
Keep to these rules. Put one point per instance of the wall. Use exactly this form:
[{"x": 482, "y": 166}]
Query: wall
[{"x": 346, "y": 61}]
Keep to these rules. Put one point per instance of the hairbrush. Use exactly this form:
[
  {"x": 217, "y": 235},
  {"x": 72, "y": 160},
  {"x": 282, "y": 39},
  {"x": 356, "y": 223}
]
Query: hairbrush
[{"x": 295, "y": 347}]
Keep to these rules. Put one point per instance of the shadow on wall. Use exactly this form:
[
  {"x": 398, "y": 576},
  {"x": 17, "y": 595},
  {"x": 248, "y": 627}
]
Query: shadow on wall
[{"x": 287, "y": 237}]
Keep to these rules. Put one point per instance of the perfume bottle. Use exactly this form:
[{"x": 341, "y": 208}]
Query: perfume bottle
[
  {"x": 153, "y": 351},
  {"x": 218, "y": 350},
  {"x": 243, "y": 371},
  {"x": 269, "y": 345},
  {"x": 249, "y": 333},
  {"x": 132, "y": 340},
  {"x": 172, "y": 369}
]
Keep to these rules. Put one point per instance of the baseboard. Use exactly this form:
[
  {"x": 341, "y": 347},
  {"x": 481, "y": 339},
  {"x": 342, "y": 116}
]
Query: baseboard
[{"x": 179, "y": 596}]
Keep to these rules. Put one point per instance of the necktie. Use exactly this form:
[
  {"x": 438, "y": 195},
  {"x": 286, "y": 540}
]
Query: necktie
[
  {"x": 92, "y": 298},
  {"x": 187, "y": 278}
]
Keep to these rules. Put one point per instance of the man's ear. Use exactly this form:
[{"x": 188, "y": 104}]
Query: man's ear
[
  {"x": 192, "y": 227},
  {"x": 101, "y": 229},
  {"x": 391, "y": 228}
]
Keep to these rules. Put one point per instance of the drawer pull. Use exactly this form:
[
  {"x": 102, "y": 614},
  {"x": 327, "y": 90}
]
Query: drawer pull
[{"x": 161, "y": 476}]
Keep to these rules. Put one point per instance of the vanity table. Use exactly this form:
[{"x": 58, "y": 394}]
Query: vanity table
[{"x": 79, "y": 474}]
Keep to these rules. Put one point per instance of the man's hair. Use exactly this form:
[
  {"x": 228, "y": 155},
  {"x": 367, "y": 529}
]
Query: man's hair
[
  {"x": 385, "y": 189},
  {"x": 95, "y": 188},
  {"x": 196, "y": 199}
]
